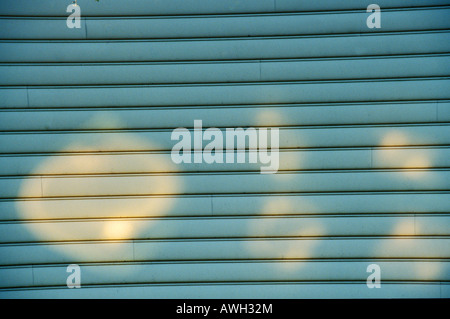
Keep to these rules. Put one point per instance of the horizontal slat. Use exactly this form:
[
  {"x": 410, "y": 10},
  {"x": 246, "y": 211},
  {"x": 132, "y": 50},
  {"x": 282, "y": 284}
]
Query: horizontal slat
[
  {"x": 220, "y": 183},
  {"x": 336, "y": 247},
  {"x": 216, "y": 205},
  {"x": 213, "y": 94},
  {"x": 130, "y": 73},
  {"x": 138, "y": 162},
  {"x": 334, "y": 136},
  {"x": 222, "y": 26},
  {"x": 286, "y": 70},
  {"x": 138, "y": 273},
  {"x": 224, "y": 49},
  {"x": 275, "y": 115},
  {"x": 112, "y": 163},
  {"x": 112, "y": 229},
  {"x": 283, "y": 290},
  {"x": 397, "y": 157},
  {"x": 141, "y": 7}
]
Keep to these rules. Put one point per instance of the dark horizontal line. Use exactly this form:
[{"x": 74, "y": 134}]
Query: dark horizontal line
[
  {"x": 211, "y": 38},
  {"x": 232, "y": 261},
  {"x": 222, "y": 217},
  {"x": 226, "y": 239},
  {"x": 229, "y": 38},
  {"x": 231, "y": 195},
  {"x": 224, "y": 84},
  {"x": 236, "y": 261},
  {"x": 217, "y": 171},
  {"x": 141, "y": 284},
  {"x": 166, "y": 151},
  {"x": 212, "y": 61},
  {"x": 229, "y": 61},
  {"x": 287, "y": 127},
  {"x": 171, "y": 218},
  {"x": 212, "y": 171},
  {"x": 220, "y": 106},
  {"x": 287, "y": 149},
  {"x": 244, "y": 172},
  {"x": 105, "y": 196},
  {"x": 227, "y": 14},
  {"x": 232, "y": 14}
]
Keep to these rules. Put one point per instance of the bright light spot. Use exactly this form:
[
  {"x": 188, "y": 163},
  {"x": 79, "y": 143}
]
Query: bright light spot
[
  {"x": 117, "y": 229},
  {"x": 405, "y": 227},
  {"x": 97, "y": 207},
  {"x": 268, "y": 117},
  {"x": 428, "y": 270},
  {"x": 418, "y": 161},
  {"x": 394, "y": 138},
  {"x": 277, "y": 205}
]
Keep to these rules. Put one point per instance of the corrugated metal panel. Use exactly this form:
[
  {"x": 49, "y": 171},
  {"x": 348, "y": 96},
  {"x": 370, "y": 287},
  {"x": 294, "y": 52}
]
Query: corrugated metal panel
[{"x": 86, "y": 175}]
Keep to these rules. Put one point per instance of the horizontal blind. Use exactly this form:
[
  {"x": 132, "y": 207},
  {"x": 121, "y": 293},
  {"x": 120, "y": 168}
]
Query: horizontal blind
[{"x": 86, "y": 175}]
